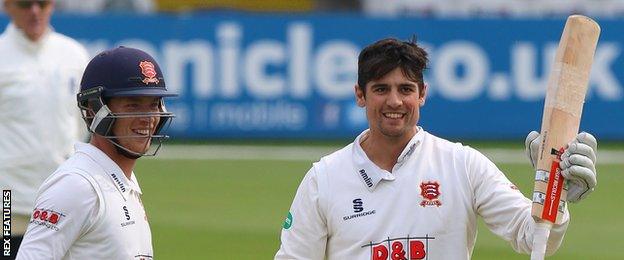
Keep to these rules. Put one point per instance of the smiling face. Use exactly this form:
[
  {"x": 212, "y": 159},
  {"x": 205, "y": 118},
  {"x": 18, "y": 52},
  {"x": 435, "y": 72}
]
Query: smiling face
[
  {"x": 392, "y": 105},
  {"x": 30, "y": 16},
  {"x": 139, "y": 128}
]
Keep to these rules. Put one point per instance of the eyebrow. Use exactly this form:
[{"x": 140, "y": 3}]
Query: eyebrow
[{"x": 403, "y": 84}]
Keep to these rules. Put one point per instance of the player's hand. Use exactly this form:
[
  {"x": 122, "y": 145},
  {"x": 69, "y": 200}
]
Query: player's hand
[
  {"x": 578, "y": 166},
  {"x": 531, "y": 146},
  {"x": 578, "y": 163}
]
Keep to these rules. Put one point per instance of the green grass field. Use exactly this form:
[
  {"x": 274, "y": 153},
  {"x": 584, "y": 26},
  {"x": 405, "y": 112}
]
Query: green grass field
[{"x": 229, "y": 209}]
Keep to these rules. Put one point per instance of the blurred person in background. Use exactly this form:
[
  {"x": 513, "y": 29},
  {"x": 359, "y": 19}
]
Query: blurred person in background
[
  {"x": 399, "y": 192},
  {"x": 40, "y": 71}
]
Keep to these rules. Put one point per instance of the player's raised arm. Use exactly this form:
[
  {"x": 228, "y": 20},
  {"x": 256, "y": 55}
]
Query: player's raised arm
[
  {"x": 567, "y": 84},
  {"x": 504, "y": 209}
]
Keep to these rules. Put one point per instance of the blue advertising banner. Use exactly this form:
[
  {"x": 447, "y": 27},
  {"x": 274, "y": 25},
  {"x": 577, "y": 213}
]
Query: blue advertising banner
[{"x": 245, "y": 75}]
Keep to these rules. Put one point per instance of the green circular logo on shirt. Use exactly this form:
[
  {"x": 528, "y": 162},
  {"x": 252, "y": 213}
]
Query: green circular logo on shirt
[{"x": 288, "y": 222}]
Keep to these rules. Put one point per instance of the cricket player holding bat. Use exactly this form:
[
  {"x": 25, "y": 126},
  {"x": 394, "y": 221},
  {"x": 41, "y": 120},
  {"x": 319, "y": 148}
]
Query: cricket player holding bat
[
  {"x": 563, "y": 106},
  {"x": 399, "y": 192},
  {"x": 90, "y": 207}
]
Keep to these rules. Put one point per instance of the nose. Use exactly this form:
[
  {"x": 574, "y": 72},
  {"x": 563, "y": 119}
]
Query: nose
[
  {"x": 394, "y": 99},
  {"x": 35, "y": 8},
  {"x": 148, "y": 120}
]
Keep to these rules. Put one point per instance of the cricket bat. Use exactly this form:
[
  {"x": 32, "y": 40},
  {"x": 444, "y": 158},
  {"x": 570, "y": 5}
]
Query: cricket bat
[{"x": 563, "y": 106}]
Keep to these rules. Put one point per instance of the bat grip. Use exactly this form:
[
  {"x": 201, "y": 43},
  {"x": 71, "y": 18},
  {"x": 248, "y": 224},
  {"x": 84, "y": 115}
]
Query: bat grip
[{"x": 540, "y": 239}]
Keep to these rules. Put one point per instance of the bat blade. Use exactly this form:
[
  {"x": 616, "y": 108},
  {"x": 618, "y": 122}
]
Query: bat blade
[{"x": 563, "y": 106}]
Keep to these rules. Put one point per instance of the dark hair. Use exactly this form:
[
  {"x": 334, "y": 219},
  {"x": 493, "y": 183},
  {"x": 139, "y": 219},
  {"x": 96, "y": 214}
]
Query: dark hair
[{"x": 383, "y": 56}]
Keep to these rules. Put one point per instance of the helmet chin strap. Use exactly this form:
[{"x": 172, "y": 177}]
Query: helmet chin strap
[{"x": 125, "y": 152}]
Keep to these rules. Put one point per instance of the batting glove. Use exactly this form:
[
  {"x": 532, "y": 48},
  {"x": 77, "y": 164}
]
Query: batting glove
[
  {"x": 578, "y": 163},
  {"x": 531, "y": 146}
]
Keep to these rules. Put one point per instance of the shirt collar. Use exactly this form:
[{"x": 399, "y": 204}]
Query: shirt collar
[
  {"x": 111, "y": 169},
  {"x": 23, "y": 41},
  {"x": 369, "y": 172},
  {"x": 411, "y": 146}
]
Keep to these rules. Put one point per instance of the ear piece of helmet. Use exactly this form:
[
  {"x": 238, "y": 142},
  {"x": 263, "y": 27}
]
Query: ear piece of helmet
[
  {"x": 90, "y": 101},
  {"x": 163, "y": 120},
  {"x": 102, "y": 122}
]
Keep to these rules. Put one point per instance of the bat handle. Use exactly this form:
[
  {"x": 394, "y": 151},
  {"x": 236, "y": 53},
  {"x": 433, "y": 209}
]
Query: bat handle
[{"x": 540, "y": 239}]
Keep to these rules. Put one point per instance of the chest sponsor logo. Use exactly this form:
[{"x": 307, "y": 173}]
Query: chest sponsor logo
[
  {"x": 430, "y": 191},
  {"x": 127, "y": 217},
  {"x": 367, "y": 180},
  {"x": 402, "y": 248},
  {"x": 47, "y": 217},
  {"x": 143, "y": 257},
  {"x": 358, "y": 205},
  {"x": 358, "y": 208},
  {"x": 126, "y": 212}
]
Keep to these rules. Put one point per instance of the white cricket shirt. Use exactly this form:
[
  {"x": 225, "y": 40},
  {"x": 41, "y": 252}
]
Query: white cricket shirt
[
  {"x": 39, "y": 117},
  {"x": 348, "y": 208},
  {"x": 88, "y": 209}
]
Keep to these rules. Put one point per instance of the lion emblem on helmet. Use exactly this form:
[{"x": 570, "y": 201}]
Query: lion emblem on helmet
[{"x": 148, "y": 70}]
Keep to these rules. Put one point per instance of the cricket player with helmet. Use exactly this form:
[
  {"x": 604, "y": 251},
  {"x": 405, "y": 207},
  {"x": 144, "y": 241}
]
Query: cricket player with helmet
[
  {"x": 40, "y": 70},
  {"x": 90, "y": 207},
  {"x": 399, "y": 192}
]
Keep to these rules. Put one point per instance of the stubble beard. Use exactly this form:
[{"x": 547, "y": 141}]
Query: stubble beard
[
  {"x": 397, "y": 132},
  {"x": 394, "y": 132}
]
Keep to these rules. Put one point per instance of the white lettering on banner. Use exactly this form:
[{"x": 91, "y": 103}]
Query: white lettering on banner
[
  {"x": 248, "y": 116},
  {"x": 529, "y": 83},
  {"x": 229, "y": 35},
  {"x": 499, "y": 87},
  {"x": 260, "y": 56},
  {"x": 196, "y": 55},
  {"x": 298, "y": 67},
  {"x": 182, "y": 113},
  {"x": 606, "y": 85},
  {"x": 336, "y": 69},
  {"x": 468, "y": 56},
  {"x": 300, "y": 37},
  {"x": 330, "y": 114}
]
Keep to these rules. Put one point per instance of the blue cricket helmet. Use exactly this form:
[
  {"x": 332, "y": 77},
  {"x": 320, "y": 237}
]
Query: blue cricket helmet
[
  {"x": 125, "y": 72},
  {"x": 122, "y": 72}
]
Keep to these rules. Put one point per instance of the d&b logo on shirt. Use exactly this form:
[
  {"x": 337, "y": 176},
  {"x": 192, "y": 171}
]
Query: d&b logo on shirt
[{"x": 47, "y": 218}]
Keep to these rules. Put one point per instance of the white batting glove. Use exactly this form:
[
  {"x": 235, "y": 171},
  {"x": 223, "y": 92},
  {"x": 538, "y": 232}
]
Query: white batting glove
[
  {"x": 578, "y": 166},
  {"x": 578, "y": 163},
  {"x": 531, "y": 146}
]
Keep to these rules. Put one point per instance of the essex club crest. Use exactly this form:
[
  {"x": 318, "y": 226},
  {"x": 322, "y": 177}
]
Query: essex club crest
[
  {"x": 430, "y": 191},
  {"x": 148, "y": 70}
]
